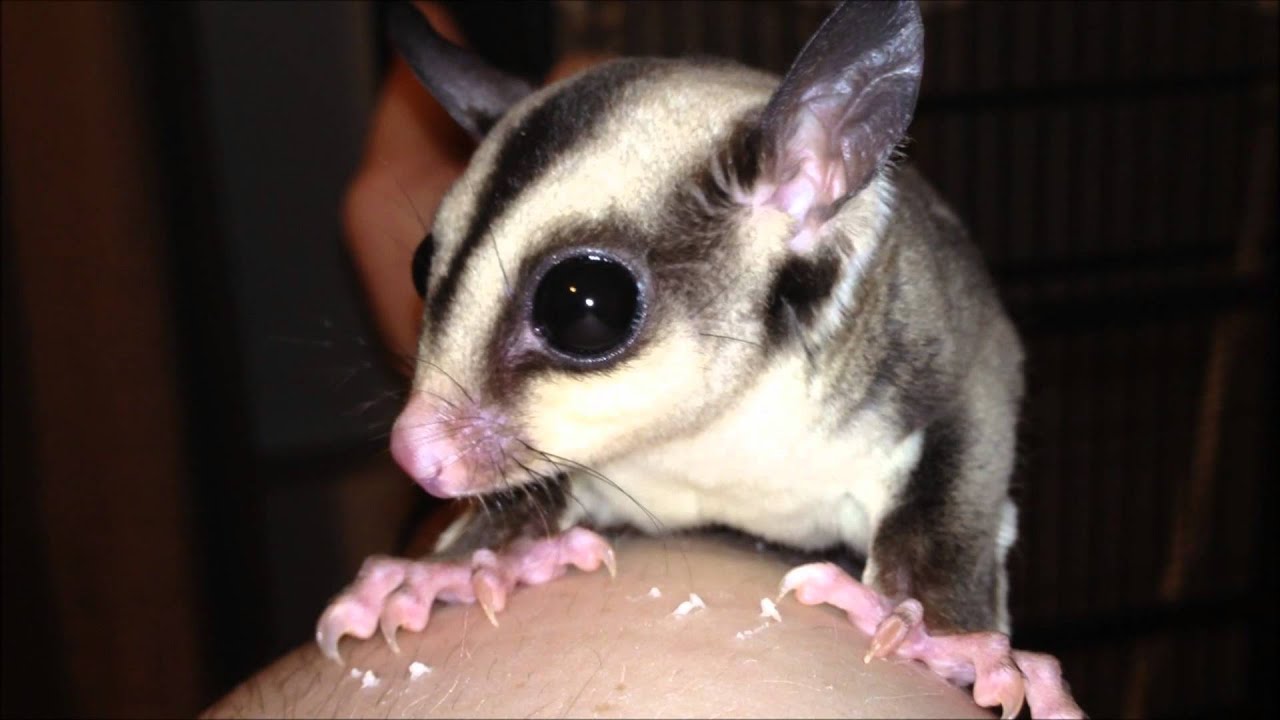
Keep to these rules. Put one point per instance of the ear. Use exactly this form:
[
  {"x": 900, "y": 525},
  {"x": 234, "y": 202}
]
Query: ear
[
  {"x": 841, "y": 109},
  {"x": 474, "y": 93}
]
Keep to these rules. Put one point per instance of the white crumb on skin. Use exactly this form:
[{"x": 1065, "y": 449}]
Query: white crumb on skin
[
  {"x": 744, "y": 634},
  {"x": 769, "y": 610},
  {"x": 417, "y": 670},
  {"x": 356, "y": 672},
  {"x": 653, "y": 593},
  {"x": 369, "y": 680},
  {"x": 693, "y": 603}
]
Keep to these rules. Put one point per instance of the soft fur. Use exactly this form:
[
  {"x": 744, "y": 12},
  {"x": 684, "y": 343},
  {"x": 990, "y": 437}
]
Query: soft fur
[{"x": 841, "y": 374}]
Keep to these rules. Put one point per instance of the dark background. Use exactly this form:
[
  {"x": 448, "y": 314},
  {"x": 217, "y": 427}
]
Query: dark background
[{"x": 194, "y": 400}]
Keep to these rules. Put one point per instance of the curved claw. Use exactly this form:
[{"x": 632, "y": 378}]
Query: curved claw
[
  {"x": 587, "y": 551},
  {"x": 389, "y": 627},
  {"x": 893, "y": 630},
  {"x": 329, "y": 646},
  {"x": 610, "y": 562},
  {"x": 1009, "y": 691},
  {"x": 487, "y": 593},
  {"x": 339, "y": 620},
  {"x": 1011, "y": 710},
  {"x": 805, "y": 575}
]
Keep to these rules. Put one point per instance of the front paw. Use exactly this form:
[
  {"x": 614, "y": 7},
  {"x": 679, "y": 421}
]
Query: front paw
[
  {"x": 393, "y": 593},
  {"x": 999, "y": 675}
]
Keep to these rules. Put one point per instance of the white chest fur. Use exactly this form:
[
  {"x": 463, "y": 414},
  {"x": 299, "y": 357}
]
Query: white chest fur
[{"x": 771, "y": 465}]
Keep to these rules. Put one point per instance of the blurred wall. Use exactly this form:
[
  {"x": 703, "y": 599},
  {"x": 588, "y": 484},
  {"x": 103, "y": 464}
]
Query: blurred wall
[
  {"x": 193, "y": 403},
  {"x": 97, "y": 508}
]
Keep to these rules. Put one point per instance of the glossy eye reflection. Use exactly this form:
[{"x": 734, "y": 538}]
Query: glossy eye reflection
[{"x": 587, "y": 306}]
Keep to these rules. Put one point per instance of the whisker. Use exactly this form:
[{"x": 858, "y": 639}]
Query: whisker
[
  {"x": 562, "y": 474},
  {"x": 544, "y": 483},
  {"x": 440, "y": 397},
  {"x": 484, "y": 506},
  {"x": 698, "y": 313},
  {"x": 458, "y": 456},
  {"x": 465, "y": 394},
  {"x": 600, "y": 476},
  {"x": 730, "y": 337},
  {"x": 505, "y": 281},
  {"x": 539, "y": 483},
  {"x": 409, "y": 199},
  {"x": 405, "y": 193},
  {"x": 460, "y": 420}
]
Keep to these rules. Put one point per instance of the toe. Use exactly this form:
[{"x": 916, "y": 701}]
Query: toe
[
  {"x": 1000, "y": 683},
  {"x": 811, "y": 583},
  {"x": 894, "y": 629},
  {"x": 404, "y": 609},
  {"x": 587, "y": 551},
  {"x": 490, "y": 588},
  {"x": 1047, "y": 691},
  {"x": 818, "y": 583},
  {"x": 344, "y": 617}
]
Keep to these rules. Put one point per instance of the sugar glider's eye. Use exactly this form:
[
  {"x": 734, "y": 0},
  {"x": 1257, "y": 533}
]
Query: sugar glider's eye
[
  {"x": 588, "y": 307},
  {"x": 422, "y": 264}
]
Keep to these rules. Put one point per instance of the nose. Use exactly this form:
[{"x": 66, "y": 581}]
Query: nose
[{"x": 424, "y": 445}]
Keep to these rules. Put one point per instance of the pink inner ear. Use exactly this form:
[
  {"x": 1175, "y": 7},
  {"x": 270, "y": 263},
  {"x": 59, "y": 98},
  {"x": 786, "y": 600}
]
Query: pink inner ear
[{"x": 810, "y": 176}]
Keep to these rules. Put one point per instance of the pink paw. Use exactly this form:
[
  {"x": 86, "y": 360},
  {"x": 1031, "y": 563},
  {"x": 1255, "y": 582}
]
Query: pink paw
[
  {"x": 393, "y": 593},
  {"x": 999, "y": 675}
]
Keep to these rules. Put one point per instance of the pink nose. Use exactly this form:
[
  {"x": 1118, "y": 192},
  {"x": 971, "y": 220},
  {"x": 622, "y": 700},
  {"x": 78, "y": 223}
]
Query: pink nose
[{"x": 424, "y": 447}]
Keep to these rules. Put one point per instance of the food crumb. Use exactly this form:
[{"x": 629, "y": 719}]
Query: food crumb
[
  {"x": 356, "y": 672},
  {"x": 693, "y": 603},
  {"x": 769, "y": 610},
  {"x": 744, "y": 634},
  {"x": 654, "y": 592},
  {"x": 417, "y": 670},
  {"x": 369, "y": 680}
]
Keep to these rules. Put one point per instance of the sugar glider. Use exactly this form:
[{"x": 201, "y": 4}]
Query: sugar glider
[{"x": 668, "y": 294}]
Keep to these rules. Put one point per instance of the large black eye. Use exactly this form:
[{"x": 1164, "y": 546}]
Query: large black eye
[
  {"x": 587, "y": 306},
  {"x": 422, "y": 264}
]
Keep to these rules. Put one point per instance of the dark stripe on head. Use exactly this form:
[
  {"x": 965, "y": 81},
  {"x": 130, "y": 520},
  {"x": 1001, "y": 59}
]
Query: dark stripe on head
[
  {"x": 683, "y": 251},
  {"x": 799, "y": 288},
  {"x": 557, "y": 126}
]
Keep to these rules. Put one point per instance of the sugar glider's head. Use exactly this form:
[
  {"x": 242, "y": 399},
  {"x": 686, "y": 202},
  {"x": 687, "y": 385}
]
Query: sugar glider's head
[{"x": 629, "y": 247}]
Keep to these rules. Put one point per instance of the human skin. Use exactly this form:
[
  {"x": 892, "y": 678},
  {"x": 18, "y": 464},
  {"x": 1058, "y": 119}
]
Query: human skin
[{"x": 589, "y": 645}]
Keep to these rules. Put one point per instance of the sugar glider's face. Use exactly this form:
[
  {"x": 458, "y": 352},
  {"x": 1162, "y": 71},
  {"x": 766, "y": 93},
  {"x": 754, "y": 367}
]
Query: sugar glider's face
[
  {"x": 597, "y": 279},
  {"x": 628, "y": 246}
]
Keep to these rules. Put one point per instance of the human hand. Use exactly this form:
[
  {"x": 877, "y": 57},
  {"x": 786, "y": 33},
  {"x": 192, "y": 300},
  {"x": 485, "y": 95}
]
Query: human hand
[{"x": 413, "y": 153}]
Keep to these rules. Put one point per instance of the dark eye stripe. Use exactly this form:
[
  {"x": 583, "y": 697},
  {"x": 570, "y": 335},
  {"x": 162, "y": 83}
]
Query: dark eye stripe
[
  {"x": 550, "y": 131},
  {"x": 421, "y": 267}
]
